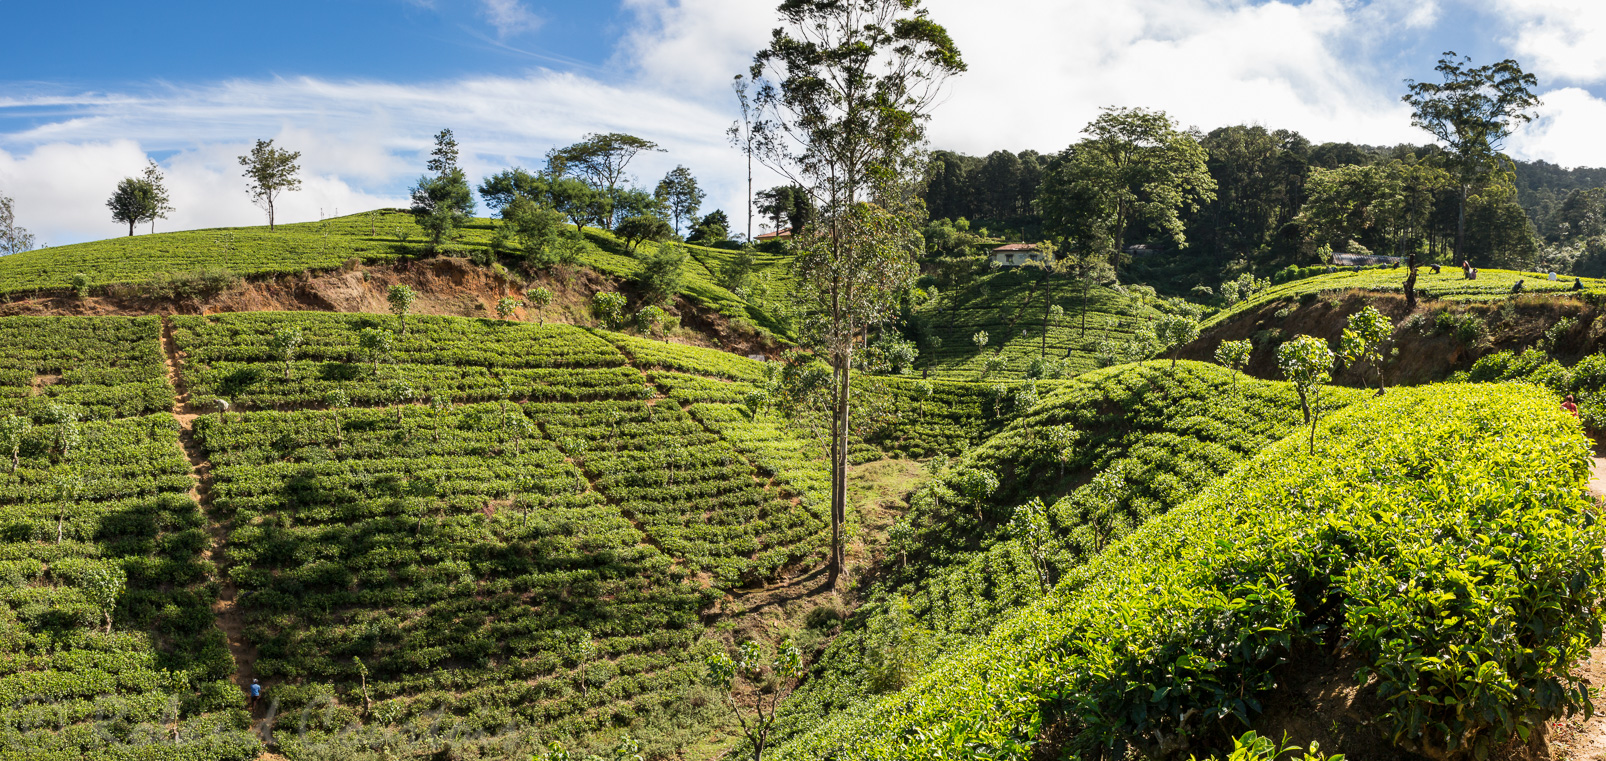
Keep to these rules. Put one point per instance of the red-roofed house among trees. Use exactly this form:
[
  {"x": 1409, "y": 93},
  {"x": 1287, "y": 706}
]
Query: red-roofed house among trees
[{"x": 1016, "y": 254}]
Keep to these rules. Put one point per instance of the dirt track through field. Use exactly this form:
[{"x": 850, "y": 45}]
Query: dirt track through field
[
  {"x": 229, "y": 617},
  {"x": 1577, "y": 739}
]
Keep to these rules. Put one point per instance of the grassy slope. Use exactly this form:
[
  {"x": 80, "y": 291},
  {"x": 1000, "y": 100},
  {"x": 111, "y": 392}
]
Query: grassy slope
[
  {"x": 1448, "y": 285},
  {"x": 375, "y": 237},
  {"x": 664, "y": 496},
  {"x": 1395, "y": 513},
  {"x": 120, "y": 498},
  {"x": 1010, "y": 302},
  {"x": 1159, "y": 436}
]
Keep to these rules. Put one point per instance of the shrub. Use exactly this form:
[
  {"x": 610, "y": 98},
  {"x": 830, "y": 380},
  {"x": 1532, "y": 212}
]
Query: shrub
[
  {"x": 609, "y": 308},
  {"x": 663, "y": 272},
  {"x": 1411, "y": 534}
]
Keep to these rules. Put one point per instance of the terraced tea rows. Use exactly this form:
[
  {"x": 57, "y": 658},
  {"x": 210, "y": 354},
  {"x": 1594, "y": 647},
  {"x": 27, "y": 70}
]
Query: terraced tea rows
[
  {"x": 1010, "y": 307},
  {"x": 108, "y": 645},
  {"x": 91, "y": 367},
  {"x": 1390, "y": 537},
  {"x": 459, "y": 558},
  {"x": 451, "y": 359}
]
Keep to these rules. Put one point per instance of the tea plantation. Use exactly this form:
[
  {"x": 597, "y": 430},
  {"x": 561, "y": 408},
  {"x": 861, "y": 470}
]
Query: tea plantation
[
  {"x": 475, "y": 537},
  {"x": 1011, "y": 307},
  {"x": 1102, "y": 455},
  {"x": 380, "y": 237},
  {"x": 1454, "y": 552},
  {"x": 108, "y": 644},
  {"x": 1449, "y": 285}
]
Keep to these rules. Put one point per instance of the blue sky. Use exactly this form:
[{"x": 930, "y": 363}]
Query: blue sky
[{"x": 93, "y": 89}]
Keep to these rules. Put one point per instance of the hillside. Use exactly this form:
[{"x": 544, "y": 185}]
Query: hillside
[
  {"x": 1101, "y": 455},
  {"x": 1449, "y": 285},
  {"x": 1171, "y": 640},
  {"x": 552, "y": 521},
  {"x": 1013, "y": 306},
  {"x": 194, "y": 261}
]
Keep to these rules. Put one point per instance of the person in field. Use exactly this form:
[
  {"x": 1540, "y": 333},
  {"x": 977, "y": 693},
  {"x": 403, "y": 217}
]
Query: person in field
[
  {"x": 1569, "y": 405},
  {"x": 256, "y": 691}
]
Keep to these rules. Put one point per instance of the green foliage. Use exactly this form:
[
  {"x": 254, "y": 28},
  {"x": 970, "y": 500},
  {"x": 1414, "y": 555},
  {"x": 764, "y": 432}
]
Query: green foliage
[
  {"x": 270, "y": 171},
  {"x": 80, "y": 285},
  {"x": 1253, "y": 747},
  {"x": 442, "y": 204},
  {"x": 1135, "y": 167},
  {"x": 1010, "y": 307},
  {"x": 401, "y": 298},
  {"x": 103, "y": 585},
  {"x": 284, "y": 343},
  {"x": 1234, "y": 355},
  {"x": 377, "y": 343},
  {"x": 506, "y": 307},
  {"x": 1174, "y": 332},
  {"x": 1364, "y": 340},
  {"x": 453, "y": 358},
  {"x": 105, "y": 599},
  {"x": 651, "y": 318},
  {"x": 96, "y": 367},
  {"x": 642, "y": 229},
  {"x": 609, "y": 308},
  {"x": 1030, "y": 526},
  {"x": 680, "y": 196},
  {"x": 662, "y": 272},
  {"x": 1402, "y": 517},
  {"x": 1308, "y": 364},
  {"x": 1106, "y": 453},
  {"x": 133, "y": 202}
]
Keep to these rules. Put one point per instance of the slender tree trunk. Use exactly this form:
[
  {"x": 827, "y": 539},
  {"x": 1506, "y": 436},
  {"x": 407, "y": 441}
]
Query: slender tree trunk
[
  {"x": 130, "y": 228},
  {"x": 839, "y": 485},
  {"x": 1461, "y": 226},
  {"x": 1048, "y": 303},
  {"x": 1085, "y": 289},
  {"x": 1410, "y": 284}
]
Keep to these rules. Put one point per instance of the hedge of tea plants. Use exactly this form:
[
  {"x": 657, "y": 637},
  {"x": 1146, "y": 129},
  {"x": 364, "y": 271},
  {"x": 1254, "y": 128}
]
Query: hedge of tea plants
[
  {"x": 1454, "y": 552},
  {"x": 460, "y": 360},
  {"x": 459, "y": 560},
  {"x": 1010, "y": 307},
  {"x": 92, "y": 367},
  {"x": 1449, "y": 285},
  {"x": 97, "y": 521},
  {"x": 1103, "y": 453},
  {"x": 647, "y": 354},
  {"x": 693, "y": 494}
]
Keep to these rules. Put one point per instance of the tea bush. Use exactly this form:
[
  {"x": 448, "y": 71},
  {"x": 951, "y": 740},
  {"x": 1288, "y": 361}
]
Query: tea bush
[{"x": 1411, "y": 535}]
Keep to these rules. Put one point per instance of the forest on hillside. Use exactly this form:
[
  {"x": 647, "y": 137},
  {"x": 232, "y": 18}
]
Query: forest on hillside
[{"x": 1279, "y": 199}]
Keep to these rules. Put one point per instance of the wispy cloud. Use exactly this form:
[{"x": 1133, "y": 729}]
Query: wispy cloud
[
  {"x": 362, "y": 142},
  {"x": 1039, "y": 71},
  {"x": 510, "y": 17}
]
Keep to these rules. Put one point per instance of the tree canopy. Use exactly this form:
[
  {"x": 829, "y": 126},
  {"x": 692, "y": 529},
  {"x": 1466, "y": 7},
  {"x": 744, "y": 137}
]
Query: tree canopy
[
  {"x": 270, "y": 172},
  {"x": 1135, "y": 166}
]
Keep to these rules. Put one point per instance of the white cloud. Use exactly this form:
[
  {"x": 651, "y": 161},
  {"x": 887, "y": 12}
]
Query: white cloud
[
  {"x": 1039, "y": 71},
  {"x": 362, "y": 143},
  {"x": 1563, "y": 40},
  {"x": 1566, "y": 132},
  {"x": 510, "y": 17}
]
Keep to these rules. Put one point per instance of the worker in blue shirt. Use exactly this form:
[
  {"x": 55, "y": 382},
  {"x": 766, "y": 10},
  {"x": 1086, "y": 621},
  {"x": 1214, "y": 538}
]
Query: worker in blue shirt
[{"x": 256, "y": 693}]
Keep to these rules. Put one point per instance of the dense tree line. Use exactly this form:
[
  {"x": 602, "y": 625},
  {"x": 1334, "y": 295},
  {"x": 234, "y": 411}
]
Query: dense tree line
[{"x": 1371, "y": 199}]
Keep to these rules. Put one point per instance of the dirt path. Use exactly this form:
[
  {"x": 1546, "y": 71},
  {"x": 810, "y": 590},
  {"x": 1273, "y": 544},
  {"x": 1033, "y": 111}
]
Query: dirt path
[
  {"x": 1576, "y": 739},
  {"x": 229, "y": 617}
]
